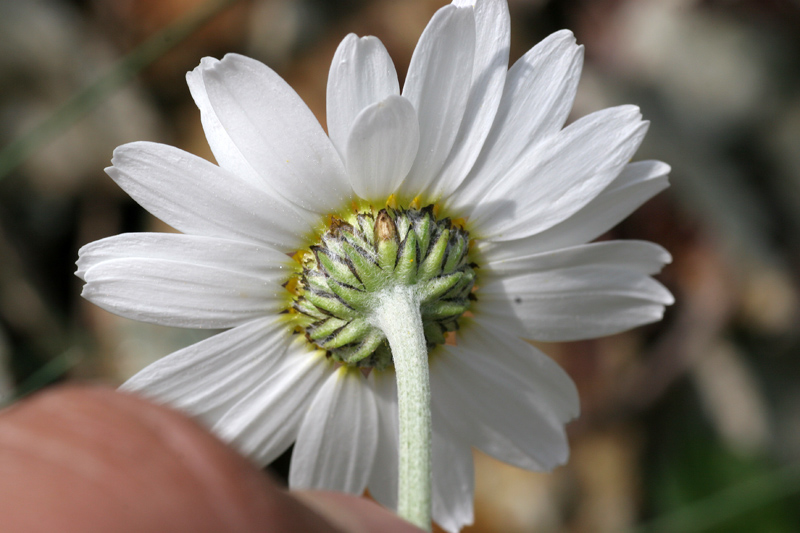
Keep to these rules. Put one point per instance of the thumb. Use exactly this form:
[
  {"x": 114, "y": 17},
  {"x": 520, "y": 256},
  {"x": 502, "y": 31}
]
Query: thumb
[{"x": 90, "y": 459}]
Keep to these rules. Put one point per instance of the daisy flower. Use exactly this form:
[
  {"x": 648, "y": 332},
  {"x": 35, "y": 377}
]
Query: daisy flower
[{"x": 399, "y": 260}]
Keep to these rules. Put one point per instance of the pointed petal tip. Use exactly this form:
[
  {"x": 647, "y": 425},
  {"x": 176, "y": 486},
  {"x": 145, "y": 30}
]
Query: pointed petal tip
[
  {"x": 627, "y": 111},
  {"x": 579, "y": 56},
  {"x": 205, "y": 63},
  {"x": 231, "y": 60},
  {"x": 124, "y": 150},
  {"x": 116, "y": 154},
  {"x": 669, "y": 299},
  {"x": 464, "y": 3},
  {"x": 654, "y": 169},
  {"x": 118, "y": 158},
  {"x": 557, "y": 457},
  {"x": 86, "y": 291},
  {"x": 574, "y": 401},
  {"x": 561, "y": 39},
  {"x": 80, "y": 263},
  {"x": 563, "y": 458},
  {"x": 349, "y": 38},
  {"x": 661, "y": 297},
  {"x": 662, "y": 255},
  {"x": 233, "y": 56},
  {"x": 353, "y": 39},
  {"x": 565, "y": 35},
  {"x": 658, "y": 173}
]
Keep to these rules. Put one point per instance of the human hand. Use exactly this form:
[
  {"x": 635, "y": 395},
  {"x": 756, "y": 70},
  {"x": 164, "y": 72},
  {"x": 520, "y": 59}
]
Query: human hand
[{"x": 90, "y": 459}]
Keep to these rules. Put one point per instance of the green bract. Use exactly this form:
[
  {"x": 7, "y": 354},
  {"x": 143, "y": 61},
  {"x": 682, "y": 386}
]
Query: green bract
[{"x": 358, "y": 262}]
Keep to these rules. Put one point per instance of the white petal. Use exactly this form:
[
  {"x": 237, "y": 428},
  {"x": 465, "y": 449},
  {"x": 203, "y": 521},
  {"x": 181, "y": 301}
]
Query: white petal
[
  {"x": 336, "y": 444},
  {"x": 575, "y": 302},
  {"x": 641, "y": 256},
  {"x": 544, "y": 382},
  {"x": 552, "y": 180},
  {"x": 488, "y": 406},
  {"x": 277, "y": 133},
  {"x": 453, "y": 477},
  {"x": 264, "y": 423},
  {"x": 250, "y": 258},
  {"x": 174, "y": 293},
  {"x": 361, "y": 74},
  {"x": 384, "y": 477},
  {"x": 637, "y": 183},
  {"x": 207, "y": 378},
  {"x": 222, "y": 146},
  {"x": 381, "y": 148},
  {"x": 537, "y": 98},
  {"x": 492, "y": 28},
  {"x": 438, "y": 84},
  {"x": 195, "y": 196}
]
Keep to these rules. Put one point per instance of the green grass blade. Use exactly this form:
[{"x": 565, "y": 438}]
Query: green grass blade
[{"x": 16, "y": 152}]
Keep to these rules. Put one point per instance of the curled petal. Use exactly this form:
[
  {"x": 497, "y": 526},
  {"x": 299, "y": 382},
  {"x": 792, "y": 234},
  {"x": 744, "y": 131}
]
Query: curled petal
[
  {"x": 362, "y": 73},
  {"x": 381, "y": 148},
  {"x": 276, "y": 133}
]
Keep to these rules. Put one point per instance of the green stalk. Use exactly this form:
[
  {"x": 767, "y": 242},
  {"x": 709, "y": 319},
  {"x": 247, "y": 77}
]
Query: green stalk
[{"x": 398, "y": 316}]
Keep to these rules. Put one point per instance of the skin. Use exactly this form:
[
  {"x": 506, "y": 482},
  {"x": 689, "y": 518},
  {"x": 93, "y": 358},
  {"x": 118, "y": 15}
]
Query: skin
[{"x": 90, "y": 459}]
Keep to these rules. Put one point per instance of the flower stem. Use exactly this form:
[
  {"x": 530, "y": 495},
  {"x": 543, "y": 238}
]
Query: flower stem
[{"x": 398, "y": 316}]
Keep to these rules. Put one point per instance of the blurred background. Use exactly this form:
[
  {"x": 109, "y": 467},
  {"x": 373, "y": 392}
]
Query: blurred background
[{"x": 692, "y": 424}]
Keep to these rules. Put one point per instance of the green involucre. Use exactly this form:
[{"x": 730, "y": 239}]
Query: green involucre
[{"x": 358, "y": 262}]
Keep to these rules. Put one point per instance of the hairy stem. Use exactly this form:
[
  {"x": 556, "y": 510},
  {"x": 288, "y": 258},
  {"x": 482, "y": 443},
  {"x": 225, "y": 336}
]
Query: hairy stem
[{"x": 398, "y": 316}]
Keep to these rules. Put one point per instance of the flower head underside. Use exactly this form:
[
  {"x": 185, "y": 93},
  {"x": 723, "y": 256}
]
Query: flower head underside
[
  {"x": 464, "y": 192},
  {"x": 359, "y": 261}
]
